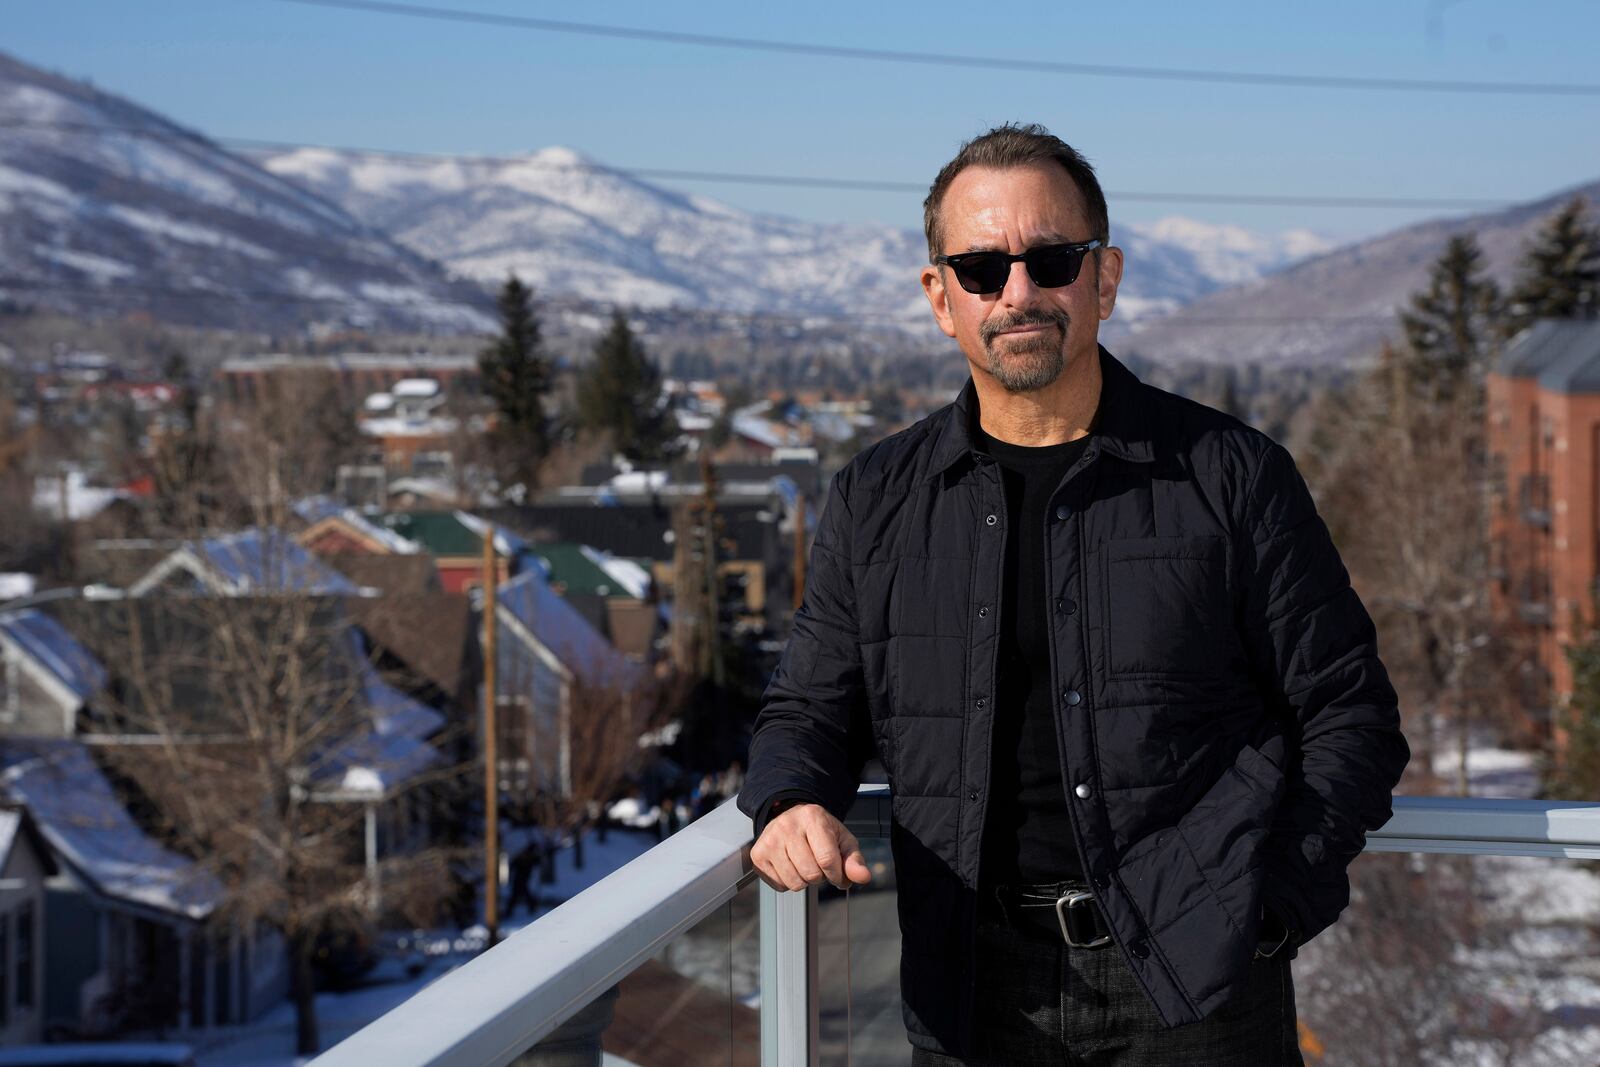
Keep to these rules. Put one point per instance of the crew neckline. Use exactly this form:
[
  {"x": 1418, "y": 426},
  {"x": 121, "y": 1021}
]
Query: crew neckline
[{"x": 1010, "y": 450}]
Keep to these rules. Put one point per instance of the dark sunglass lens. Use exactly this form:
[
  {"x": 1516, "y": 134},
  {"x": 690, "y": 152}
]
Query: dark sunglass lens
[
  {"x": 1051, "y": 268},
  {"x": 983, "y": 274}
]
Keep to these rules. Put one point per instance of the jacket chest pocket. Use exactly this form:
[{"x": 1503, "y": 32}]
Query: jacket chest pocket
[{"x": 1166, "y": 605}]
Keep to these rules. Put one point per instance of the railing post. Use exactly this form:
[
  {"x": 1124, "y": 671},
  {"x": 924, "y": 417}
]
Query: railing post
[{"x": 788, "y": 978}]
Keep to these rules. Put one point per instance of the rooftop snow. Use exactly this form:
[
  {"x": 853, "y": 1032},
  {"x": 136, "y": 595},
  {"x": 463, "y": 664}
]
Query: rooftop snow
[
  {"x": 315, "y": 509},
  {"x": 82, "y": 818},
  {"x": 625, "y": 572},
  {"x": 256, "y": 561},
  {"x": 560, "y": 627},
  {"x": 56, "y": 650}
]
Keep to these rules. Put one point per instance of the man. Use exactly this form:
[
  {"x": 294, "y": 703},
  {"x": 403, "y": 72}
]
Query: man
[{"x": 1132, "y": 712}]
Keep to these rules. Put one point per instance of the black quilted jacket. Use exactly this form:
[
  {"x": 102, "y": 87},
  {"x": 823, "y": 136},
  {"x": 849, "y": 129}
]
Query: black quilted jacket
[{"x": 1227, "y": 732}]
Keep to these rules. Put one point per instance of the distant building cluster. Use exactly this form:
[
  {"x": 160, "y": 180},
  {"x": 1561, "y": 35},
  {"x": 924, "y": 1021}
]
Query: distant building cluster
[{"x": 624, "y": 573}]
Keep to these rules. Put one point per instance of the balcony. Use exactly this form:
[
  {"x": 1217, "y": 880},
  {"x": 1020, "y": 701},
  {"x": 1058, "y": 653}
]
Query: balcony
[
  {"x": 1533, "y": 500},
  {"x": 1533, "y": 598},
  {"x": 685, "y": 956}
]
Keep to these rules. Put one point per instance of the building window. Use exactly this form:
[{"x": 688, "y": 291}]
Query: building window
[
  {"x": 25, "y": 933},
  {"x": 514, "y": 741}
]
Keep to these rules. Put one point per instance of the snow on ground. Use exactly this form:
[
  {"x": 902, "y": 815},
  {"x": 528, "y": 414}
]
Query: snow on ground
[
  {"x": 1491, "y": 771},
  {"x": 161, "y": 226},
  {"x": 599, "y": 859},
  {"x": 1550, "y": 962},
  {"x": 269, "y": 1041},
  {"x": 101, "y": 268}
]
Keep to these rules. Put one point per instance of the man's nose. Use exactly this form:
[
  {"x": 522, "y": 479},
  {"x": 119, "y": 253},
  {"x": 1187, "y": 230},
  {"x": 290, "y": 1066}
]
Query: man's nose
[{"x": 1019, "y": 289}]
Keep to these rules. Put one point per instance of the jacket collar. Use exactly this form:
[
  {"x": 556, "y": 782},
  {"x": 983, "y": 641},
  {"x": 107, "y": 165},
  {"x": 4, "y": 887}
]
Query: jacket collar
[{"x": 1123, "y": 429}]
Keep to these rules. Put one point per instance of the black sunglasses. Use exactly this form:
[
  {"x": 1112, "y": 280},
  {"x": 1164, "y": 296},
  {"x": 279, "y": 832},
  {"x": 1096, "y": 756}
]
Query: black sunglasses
[{"x": 1050, "y": 266}]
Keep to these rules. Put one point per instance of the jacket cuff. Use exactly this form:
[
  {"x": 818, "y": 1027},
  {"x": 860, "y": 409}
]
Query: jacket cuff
[{"x": 764, "y": 816}]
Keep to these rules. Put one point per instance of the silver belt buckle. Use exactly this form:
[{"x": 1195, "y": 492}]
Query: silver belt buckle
[{"x": 1072, "y": 899}]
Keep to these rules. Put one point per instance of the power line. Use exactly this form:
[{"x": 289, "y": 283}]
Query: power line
[
  {"x": 758, "y": 44},
  {"x": 794, "y": 180}
]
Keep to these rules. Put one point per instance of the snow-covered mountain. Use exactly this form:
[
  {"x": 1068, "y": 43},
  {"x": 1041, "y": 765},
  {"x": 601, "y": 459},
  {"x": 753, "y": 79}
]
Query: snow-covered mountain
[
  {"x": 574, "y": 227},
  {"x": 1173, "y": 261},
  {"x": 1337, "y": 308},
  {"x": 106, "y": 207}
]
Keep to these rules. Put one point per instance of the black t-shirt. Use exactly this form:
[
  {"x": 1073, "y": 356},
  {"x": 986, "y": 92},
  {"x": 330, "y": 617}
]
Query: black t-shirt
[{"x": 1028, "y": 832}]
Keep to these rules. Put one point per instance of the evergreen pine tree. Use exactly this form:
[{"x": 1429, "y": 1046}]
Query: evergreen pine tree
[
  {"x": 620, "y": 395},
  {"x": 517, "y": 377},
  {"x": 1560, "y": 272},
  {"x": 1451, "y": 326}
]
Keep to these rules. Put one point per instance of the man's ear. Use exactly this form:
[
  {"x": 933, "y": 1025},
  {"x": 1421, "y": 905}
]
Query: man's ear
[
  {"x": 1108, "y": 273},
  {"x": 938, "y": 298}
]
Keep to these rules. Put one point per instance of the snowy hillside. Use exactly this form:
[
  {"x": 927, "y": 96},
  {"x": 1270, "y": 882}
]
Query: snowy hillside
[
  {"x": 107, "y": 207},
  {"x": 1338, "y": 308},
  {"x": 574, "y": 227}
]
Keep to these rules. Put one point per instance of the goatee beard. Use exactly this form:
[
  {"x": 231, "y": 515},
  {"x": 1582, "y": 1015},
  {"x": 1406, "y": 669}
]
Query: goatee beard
[{"x": 1031, "y": 362}]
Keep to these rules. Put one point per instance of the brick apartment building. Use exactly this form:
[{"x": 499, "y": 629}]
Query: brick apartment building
[{"x": 1544, "y": 450}]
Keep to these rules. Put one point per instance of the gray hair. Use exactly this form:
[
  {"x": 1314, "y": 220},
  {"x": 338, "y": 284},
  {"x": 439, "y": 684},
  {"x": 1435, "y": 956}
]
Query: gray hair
[{"x": 1016, "y": 146}]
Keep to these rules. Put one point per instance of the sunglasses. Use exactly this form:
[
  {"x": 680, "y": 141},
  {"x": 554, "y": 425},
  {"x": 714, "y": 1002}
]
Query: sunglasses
[{"x": 1050, "y": 266}]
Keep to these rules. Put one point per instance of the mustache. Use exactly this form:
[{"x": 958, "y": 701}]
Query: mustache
[{"x": 992, "y": 328}]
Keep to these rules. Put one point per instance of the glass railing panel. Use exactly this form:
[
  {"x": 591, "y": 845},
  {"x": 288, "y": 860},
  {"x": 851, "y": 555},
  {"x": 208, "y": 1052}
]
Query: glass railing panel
[
  {"x": 858, "y": 969},
  {"x": 1440, "y": 959},
  {"x": 695, "y": 1001},
  {"x": 1451, "y": 959}
]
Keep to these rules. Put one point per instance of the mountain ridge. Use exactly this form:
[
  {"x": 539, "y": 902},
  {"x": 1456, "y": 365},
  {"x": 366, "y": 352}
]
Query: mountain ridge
[
  {"x": 109, "y": 207},
  {"x": 573, "y": 226}
]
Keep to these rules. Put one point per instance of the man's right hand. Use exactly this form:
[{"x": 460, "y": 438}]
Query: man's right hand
[{"x": 803, "y": 846}]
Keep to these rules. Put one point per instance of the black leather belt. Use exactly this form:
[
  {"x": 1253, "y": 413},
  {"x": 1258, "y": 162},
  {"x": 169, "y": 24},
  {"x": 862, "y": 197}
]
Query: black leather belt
[{"x": 1067, "y": 910}]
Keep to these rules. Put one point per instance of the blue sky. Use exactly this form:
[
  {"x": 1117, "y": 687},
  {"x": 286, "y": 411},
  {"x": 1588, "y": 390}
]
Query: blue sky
[{"x": 280, "y": 71}]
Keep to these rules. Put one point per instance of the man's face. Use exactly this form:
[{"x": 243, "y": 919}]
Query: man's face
[{"x": 1023, "y": 336}]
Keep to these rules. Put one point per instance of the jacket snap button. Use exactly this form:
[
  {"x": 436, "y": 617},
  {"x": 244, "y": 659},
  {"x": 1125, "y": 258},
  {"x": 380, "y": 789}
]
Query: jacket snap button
[
  {"x": 1083, "y": 790},
  {"x": 1062, "y": 511},
  {"x": 1139, "y": 948},
  {"x": 1071, "y": 696},
  {"x": 991, "y": 520},
  {"x": 972, "y": 795},
  {"x": 1068, "y": 605},
  {"x": 983, "y": 613},
  {"x": 981, "y": 702}
]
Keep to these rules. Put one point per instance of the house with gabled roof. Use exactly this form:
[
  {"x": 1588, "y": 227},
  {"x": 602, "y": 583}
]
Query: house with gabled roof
[
  {"x": 455, "y": 538},
  {"x": 156, "y": 959},
  {"x": 334, "y": 528},
  {"x": 617, "y": 594},
  {"x": 251, "y": 561},
  {"x": 544, "y": 648},
  {"x": 46, "y": 675}
]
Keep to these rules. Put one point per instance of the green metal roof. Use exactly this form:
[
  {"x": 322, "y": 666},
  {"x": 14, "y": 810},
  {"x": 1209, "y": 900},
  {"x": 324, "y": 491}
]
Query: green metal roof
[
  {"x": 440, "y": 532},
  {"x": 571, "y": 569}
]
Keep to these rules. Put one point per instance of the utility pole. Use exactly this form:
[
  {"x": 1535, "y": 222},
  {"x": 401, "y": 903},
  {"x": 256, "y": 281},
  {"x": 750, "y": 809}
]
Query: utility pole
[
  {"x": 491, "y": 762},
  {"x": 710, "y": 527}
]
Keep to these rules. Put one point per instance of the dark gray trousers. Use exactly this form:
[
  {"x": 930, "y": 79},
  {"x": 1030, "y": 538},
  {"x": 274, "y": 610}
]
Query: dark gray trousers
[{"x": 1044, "y": 1002}]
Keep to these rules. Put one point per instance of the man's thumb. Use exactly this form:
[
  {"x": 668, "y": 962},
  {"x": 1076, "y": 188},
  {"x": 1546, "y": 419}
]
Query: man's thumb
[{"x": 855, "y": 866}]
